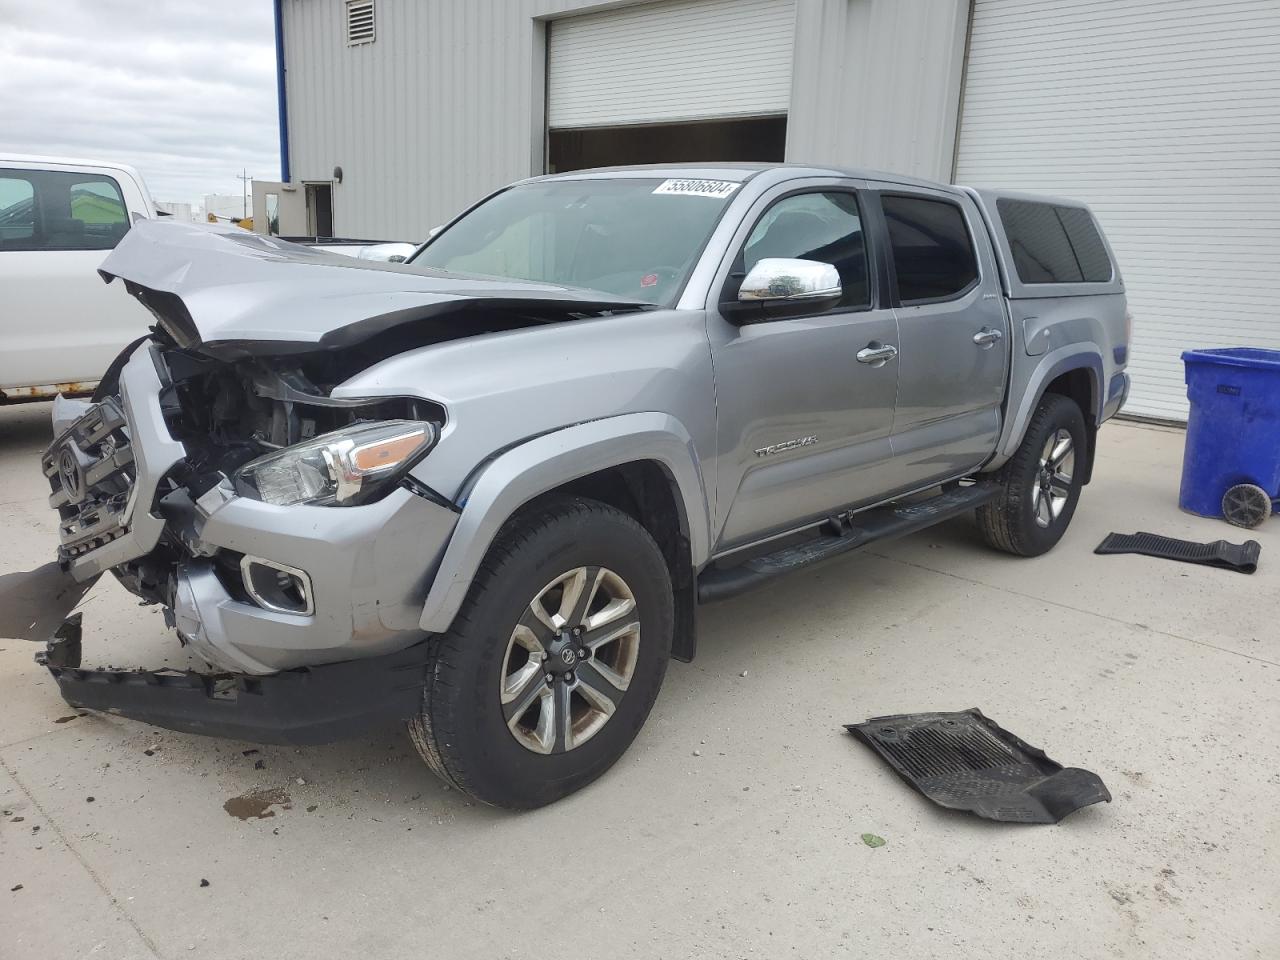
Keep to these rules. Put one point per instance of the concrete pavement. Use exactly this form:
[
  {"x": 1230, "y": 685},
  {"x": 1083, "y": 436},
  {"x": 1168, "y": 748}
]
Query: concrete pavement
[{"x": 1161, "y": 677}]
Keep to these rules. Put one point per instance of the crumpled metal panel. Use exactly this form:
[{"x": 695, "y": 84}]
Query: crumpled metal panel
[{"x": 33, "y": 603}]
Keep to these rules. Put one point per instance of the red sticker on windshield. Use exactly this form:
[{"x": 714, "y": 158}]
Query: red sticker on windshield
[{"x": 649, "y": 280}]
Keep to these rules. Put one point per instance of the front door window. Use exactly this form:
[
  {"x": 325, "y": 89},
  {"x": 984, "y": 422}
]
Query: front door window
[{"x": 825, "y": 227}]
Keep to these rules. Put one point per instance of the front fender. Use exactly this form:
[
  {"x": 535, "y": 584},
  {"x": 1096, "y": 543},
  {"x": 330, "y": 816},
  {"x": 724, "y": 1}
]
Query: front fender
[{"x": 544, "y": 463}]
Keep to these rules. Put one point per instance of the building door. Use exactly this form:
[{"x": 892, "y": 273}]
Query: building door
[
  {"x": 680, "y": 81},
  {"x": 319, "y": 209},
  {"x": 1165, "y": 119},
  {"x": 279, "y": 209}
]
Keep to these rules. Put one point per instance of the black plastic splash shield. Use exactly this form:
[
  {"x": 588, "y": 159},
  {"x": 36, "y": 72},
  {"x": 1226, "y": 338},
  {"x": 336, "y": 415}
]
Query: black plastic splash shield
[
  {"x": 964, "y": 761},
  {"x": 1241, "y": 557}
]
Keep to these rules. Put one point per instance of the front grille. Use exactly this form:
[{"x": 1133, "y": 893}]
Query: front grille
[{"x": 91, "y": 477}]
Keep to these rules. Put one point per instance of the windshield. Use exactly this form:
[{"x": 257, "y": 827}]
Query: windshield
[{"x": 634, "y": 238}]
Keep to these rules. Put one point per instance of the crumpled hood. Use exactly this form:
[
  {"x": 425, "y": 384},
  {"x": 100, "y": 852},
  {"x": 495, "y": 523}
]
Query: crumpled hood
[{"x": 215, "y": 283}]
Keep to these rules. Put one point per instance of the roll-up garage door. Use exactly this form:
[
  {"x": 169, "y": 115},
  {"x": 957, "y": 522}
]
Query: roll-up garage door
[
  {"x": 670, "y": 62},
  {"x": 1165, "y": 118}
]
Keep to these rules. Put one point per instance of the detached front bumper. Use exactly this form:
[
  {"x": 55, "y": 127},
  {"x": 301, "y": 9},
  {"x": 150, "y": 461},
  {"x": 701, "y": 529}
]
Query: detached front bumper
[{"x": 298, "y": 707}]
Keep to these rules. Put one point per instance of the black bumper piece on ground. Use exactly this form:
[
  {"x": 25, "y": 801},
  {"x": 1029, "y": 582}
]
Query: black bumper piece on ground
[
  {"x": 298, "y": 707},
  {"x": 963, "y": 761},
  {"x": 1241, "y": 557}
]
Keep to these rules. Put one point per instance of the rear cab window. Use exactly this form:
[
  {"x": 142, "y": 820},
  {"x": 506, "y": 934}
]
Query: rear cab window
[
  {"x": 930, "y": 248},
  {"x": 1053, "y": 243},
  {"x": 59, "y": 210}
]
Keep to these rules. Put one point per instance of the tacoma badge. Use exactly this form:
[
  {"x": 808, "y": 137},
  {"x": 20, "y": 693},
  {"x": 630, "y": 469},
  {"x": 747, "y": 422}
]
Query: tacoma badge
[{"x": 786, "y": 445}]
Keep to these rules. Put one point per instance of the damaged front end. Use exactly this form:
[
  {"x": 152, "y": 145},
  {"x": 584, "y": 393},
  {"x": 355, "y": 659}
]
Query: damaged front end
[
  {"x": 276, "y": 526},
  {"x": 220, "y": 473},
  {"x": 233, "y": 430}
]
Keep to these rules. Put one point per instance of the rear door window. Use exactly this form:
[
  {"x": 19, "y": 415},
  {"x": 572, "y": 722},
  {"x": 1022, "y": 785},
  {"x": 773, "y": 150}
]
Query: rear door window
[
  {"x": 55, "y": 210},
  {"x": 933, "y": 255},
  {"x": 98, "y": 215},
  {"x": 1052, "y": 243}
]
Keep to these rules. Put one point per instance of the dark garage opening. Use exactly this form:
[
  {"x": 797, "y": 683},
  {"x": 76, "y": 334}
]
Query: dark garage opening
[
  {"x": 760, "y": 139},
  {"x": 319, "y": 209}
]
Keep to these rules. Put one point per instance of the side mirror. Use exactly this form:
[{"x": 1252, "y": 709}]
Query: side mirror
[{"x": 777, "y": 287}]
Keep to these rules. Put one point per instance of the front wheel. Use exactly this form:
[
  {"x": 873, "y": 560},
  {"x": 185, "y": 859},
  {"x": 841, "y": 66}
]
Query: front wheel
[
  {"x": 1040, "y": 485},
  {"x": 555, "y": 659}
]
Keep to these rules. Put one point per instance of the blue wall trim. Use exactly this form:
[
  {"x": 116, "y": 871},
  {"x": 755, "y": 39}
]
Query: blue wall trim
[{"x": 282, "y": 103}]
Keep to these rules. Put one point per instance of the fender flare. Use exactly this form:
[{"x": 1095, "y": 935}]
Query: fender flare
[
  {"x": 1052, "y": 365},
  {"x": 549, "y": 461}
]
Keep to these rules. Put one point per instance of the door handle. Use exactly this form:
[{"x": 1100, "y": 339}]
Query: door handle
[
  {"x": 876, "y": 353},
  {"x": 985, "y": 337}
]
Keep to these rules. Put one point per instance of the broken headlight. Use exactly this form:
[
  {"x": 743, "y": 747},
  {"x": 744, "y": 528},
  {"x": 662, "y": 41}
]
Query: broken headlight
[{"x": 341, "y": 468}]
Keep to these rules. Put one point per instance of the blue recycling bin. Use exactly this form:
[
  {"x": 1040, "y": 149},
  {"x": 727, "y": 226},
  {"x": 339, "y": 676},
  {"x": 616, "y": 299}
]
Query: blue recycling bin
[{"x": 1233, "y": 433}]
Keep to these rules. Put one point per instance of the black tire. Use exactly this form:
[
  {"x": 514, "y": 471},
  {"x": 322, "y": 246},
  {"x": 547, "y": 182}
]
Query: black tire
[
  {"x": 1009, "y": 522},
  {"x": 461, "y": 730}
]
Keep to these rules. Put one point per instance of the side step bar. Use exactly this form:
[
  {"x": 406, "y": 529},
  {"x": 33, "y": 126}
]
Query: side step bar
[{"x": 855, "y": 531}]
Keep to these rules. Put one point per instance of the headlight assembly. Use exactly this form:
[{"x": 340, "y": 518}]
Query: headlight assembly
[{"x": 342, "y": 468}]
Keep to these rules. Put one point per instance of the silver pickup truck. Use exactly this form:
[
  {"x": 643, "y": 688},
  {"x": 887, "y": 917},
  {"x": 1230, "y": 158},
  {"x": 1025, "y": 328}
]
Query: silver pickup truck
[{"x": 484, "y": 490}]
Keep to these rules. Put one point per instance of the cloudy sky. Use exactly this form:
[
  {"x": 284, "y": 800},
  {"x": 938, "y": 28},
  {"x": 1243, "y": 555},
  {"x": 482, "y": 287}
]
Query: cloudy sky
[{"x": 184, "y": 90}]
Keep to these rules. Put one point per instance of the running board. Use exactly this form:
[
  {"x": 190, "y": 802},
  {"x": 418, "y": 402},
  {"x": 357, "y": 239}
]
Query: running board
[{"x": 856, "y": 531}]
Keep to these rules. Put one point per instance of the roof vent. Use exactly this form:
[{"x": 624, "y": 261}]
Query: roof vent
[{"x": 359, "y": 22}]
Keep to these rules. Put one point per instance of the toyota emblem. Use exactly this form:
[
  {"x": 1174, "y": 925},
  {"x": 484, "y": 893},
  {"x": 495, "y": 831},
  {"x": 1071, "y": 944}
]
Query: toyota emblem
[{"x": 71, "y": 476}]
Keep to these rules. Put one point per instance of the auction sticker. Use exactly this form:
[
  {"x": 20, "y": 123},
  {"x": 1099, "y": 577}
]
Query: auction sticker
[{"x": 698, "y": 188}]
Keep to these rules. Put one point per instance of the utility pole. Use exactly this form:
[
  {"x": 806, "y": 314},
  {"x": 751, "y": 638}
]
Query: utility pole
[{"x": 244, "y": 178}]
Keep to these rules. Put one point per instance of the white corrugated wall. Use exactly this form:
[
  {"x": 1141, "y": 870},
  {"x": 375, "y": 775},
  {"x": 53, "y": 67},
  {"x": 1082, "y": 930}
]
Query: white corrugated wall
[
  {"x": 448, "y": 102},
  {"x": 1164, "y": 117},
  {"x": 421, "y": 120},
  {"x": 877, "y": 84}
]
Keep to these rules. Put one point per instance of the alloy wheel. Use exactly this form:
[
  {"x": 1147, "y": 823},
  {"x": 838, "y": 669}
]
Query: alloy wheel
[
  {"x": 1052, "y": 484},
  {"x": 570, "y": 660}
]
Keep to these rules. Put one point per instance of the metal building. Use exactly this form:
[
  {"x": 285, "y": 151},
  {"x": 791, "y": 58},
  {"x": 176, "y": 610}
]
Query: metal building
[{"x": 1164, "y": 116}]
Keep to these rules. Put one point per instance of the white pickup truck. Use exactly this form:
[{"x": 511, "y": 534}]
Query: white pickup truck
[{"x": 60, "y": 325}]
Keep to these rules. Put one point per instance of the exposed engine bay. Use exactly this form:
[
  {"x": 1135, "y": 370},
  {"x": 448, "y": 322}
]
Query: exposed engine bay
[{"x": 226, "y": 413}]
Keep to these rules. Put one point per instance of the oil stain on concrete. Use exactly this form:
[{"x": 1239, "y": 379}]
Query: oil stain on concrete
[{"x": 257, "y": 804}]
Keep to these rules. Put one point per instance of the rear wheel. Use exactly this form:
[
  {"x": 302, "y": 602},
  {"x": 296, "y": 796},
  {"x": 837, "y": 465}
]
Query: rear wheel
[
  {"x": 1040, "y": 485},
  {"x": 555, "y": 660}
]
